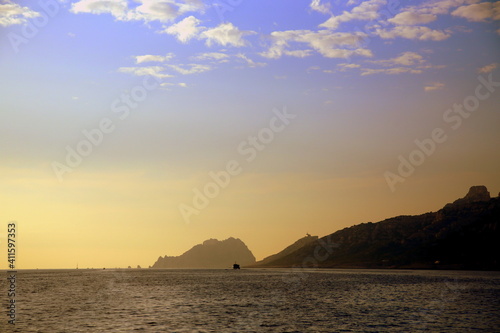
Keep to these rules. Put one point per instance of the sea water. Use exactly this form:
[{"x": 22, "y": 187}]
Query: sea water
[{"x": 253, "y": 300}]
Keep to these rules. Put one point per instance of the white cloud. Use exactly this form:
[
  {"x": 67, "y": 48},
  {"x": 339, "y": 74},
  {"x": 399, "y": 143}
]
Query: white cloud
[
  {"x": 185, "y": 29},
  {"x": 405, "y": 59},
  {"x": 408, "y": 22},
  {"x": 155, "y": 71},
  {"x": 155, "y": 10},
  {"x": 153, "y": 58},
  {"x": 412, "y": 18},
  {"x": 479, "y": 12},
  {"x": 279, "y": 43},
  {"x": 327, "y": 43},
  {"x": 116, "y": 8},
  {"x": 13, "y": 14},
  {"x": 434, "y": 86},
  {"x": 335, "y": 45},
  {"x": 439, "y": 7},
  {"x": 412, "y": 32},
  {"x": 191, "y": 68},
  {"x": 366, "y": 11},
  {"x": 146, "y": 10},
  {"x": 352, "y": 2},
  {"x": 316, "y": 5},
  {"x": 225, "y": 34},
  {"x": 192, "y": 6},
  {"x": 488, "y": 68}
]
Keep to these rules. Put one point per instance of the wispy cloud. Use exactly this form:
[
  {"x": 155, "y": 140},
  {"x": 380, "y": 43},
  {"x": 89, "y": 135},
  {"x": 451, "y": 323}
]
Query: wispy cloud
[
  {"x": 434, "y": 86},
  {"x": 346, "y": 66},
  {"x": 190, "y": 68},
  {"x": 405, "y": 63},
  {"x": 145, "y": 10},
  {"x": 406, "y": 59},
  {"x": 488, "y": 68},
  {"x": 409, "y": 23},
  {"x": 439, "y": 7},
  {"x": 412, "y": 18},
  {"x": 153, "y": 58},
  {"x": 366, "y": 11},
  {"x": 412, "y": 32},
  {"x": 318, "y": 6},
  {"x": 156, "y": 71},
  {"x": 170, "y": 84},
  {"x": 479, "y": 12},
  {"x": 390, "y": 71},
  {"x": 218, "y": 56},
  {"x": 249, "y": 61},
  {"x": 327, "y": 43}
]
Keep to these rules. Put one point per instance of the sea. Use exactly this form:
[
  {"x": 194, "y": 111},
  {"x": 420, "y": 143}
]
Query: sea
[{"x": 252, "y": 300}]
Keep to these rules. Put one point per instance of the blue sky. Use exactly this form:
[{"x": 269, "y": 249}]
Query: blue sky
[{"x": 365, "y": 79}]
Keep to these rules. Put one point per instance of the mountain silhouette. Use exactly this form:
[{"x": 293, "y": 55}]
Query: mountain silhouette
[
  {"x": 289, "y": 249},
  {"x": 464, "y": 234},
  {"x": 211, "y": 254}
]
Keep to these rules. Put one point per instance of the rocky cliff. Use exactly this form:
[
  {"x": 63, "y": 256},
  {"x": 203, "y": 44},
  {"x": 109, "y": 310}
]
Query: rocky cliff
[
  {"x": 211, "y": 254},
  {"x": 290, "y": 249},
  {"x": 462, "y": 235}
]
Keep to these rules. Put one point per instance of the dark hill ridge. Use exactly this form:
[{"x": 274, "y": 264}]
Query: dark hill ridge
[
  {"x": 211, "y": 254},
  {"x": 290, "y": 249},
  {"x": 463, "y": 235}
]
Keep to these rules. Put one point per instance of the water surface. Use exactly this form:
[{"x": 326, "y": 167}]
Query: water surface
[{"x": 255, "y": 300}]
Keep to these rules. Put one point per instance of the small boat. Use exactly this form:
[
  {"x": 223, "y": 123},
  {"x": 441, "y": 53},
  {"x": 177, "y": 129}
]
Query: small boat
[{"x": 236, "y": 266}]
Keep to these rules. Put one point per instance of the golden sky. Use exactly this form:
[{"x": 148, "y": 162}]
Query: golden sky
[{"x": 320, "y": 115}]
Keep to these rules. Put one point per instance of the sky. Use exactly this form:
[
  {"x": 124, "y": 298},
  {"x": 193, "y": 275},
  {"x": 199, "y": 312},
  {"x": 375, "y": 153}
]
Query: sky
[{"x": 136, "y": 129}]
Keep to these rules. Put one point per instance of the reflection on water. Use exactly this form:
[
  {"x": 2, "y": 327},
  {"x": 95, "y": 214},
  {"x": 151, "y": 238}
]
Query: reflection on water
[{"x": 255, "y": 301}]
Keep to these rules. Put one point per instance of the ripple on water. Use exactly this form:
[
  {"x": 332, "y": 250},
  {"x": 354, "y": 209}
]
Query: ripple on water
[{"x": 256, "y": 301}]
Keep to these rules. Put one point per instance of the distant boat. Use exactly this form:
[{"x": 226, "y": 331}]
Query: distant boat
[{"x": 236, "y": 266}]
